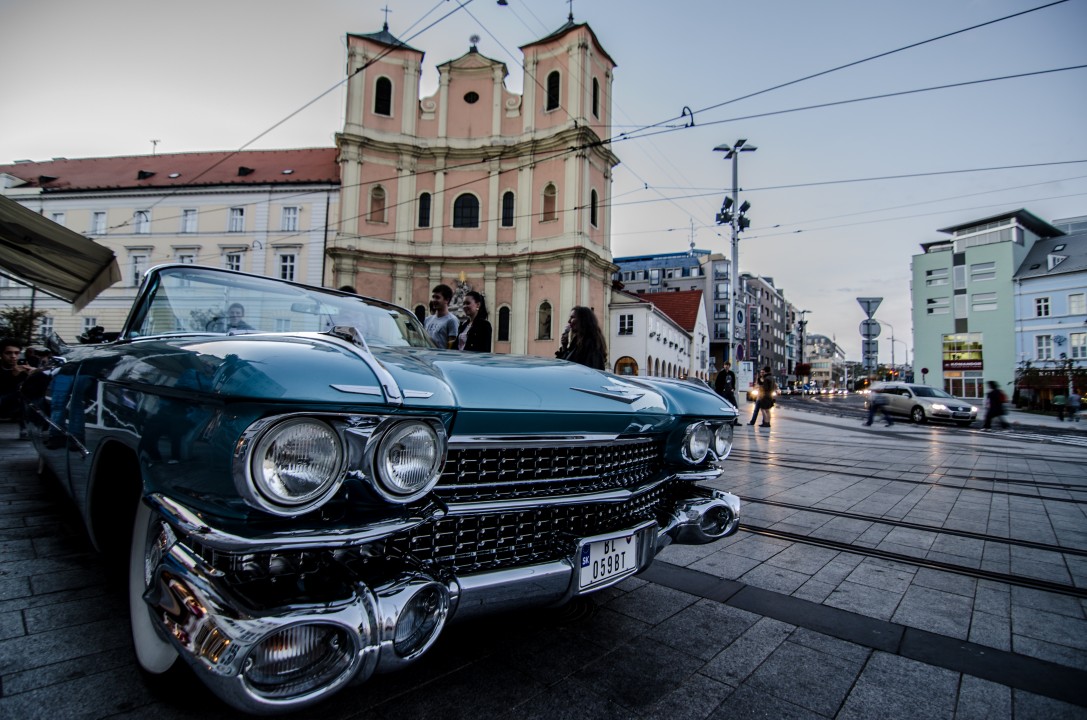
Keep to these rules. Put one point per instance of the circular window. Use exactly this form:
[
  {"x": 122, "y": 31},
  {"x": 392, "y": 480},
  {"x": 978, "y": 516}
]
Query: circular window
[{"x": 471, "y": 98}]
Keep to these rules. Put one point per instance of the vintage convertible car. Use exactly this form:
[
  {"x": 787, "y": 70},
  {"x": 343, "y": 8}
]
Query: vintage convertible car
[{"x": 305, "y": 491}]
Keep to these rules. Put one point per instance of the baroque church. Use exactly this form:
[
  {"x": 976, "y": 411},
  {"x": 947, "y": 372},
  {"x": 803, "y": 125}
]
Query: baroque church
[{"x": 478, "y": 187}]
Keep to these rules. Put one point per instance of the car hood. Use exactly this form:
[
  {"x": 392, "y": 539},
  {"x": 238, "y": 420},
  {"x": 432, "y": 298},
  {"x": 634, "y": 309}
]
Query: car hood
[{"x": 316, "y": 368}]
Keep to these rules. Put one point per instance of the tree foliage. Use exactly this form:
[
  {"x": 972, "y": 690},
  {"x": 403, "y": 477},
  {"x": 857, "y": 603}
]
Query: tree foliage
[{"x": 20, "y": 322}]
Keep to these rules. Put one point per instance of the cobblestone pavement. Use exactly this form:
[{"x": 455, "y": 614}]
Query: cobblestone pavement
[{"x": 901, "y": 572}]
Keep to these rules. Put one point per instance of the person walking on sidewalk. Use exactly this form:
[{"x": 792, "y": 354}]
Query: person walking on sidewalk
[
  {"x": 1059, "y": 402},
  {"x": 1073, "y": 405},
  {"x": 765, "y": 401},
  {"x": 878, "y": 401},
  {"x": 994, "y": 406},
  {"x": 725, "y": 385}
]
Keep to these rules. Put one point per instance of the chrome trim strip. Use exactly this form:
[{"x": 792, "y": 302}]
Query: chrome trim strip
[
  {"x": 628, "y": 399},
  {"x": 190, "y": 523},
  {"x": 357, "y": 389},
  {"x": 524, "y": 441},
  {"x": 353, "y": 338}
]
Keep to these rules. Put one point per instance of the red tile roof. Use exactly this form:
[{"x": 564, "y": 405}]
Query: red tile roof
[
  {"x": 244, "y": 167},
  {"x": 681, "y": 306}
]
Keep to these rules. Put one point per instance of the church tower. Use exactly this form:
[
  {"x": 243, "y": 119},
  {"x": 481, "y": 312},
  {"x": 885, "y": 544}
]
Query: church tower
[{"x": 478, "y": 187}]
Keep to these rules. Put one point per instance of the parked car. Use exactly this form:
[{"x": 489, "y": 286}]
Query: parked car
[
  {"x": 305, "y": 491},
  {"x": 922, "y": 403}
]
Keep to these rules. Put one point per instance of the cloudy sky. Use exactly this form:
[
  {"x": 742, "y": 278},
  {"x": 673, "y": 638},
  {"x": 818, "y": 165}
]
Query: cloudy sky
[{"x": 842, "y": 194}]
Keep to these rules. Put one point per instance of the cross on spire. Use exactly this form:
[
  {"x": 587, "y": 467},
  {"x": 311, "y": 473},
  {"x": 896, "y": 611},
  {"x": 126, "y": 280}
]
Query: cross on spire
[
  {"x": 571, "y": 4},
  {"x": 386, "y": 10}
]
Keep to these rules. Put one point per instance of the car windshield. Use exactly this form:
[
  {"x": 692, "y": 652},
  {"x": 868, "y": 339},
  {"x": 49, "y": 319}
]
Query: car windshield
[
  {"x": 926, "y": 391},
  {"x": 194, "y": 299}
]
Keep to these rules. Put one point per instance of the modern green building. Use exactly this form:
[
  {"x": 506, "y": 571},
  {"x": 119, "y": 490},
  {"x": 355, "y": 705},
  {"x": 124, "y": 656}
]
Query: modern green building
[{"x": 963, "y": 299}]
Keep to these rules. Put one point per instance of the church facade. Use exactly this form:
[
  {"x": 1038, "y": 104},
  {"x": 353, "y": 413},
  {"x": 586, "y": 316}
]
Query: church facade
[{"x": 479, "y": 187}]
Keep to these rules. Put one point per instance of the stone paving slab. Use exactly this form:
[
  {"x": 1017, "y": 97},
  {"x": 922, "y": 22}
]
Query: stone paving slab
[{"x": 750, "y": 626}]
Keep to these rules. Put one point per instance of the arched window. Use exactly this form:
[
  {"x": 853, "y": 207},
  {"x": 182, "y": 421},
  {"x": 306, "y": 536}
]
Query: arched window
[
  {"x": 626, "y": 365},
  {"x": 550, "y": 199},
  {"x": 504, "y": 323},
  {"x": 543, "y": 316},
  {"x": 424, "y": 210},
  {"x": 466, "y": 211},
  {"x": 552, "y": 91},
  {"x": 507, "y": 209},
  {"x": 593, "y": 201},
  {"x": 383, "y": 96},
  {"x": 649, "y": 365},
  {"x": 596, "y": 98},
  {"x": 377, "y": 204}
]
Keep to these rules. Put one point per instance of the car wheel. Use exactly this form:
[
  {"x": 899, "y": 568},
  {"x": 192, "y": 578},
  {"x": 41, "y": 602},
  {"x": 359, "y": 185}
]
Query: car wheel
[
  {"x": 155, "y": 655},
  {"x": 918, "y": 415}
]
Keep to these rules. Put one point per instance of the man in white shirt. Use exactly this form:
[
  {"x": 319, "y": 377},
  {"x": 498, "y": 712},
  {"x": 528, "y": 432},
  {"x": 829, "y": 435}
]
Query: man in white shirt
[{"x": 442, "y": 325}]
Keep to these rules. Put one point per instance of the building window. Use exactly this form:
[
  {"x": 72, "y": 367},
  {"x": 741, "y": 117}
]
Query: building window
[
  {"x": 424, "y": 210},
  {"x": 938, "y": 306},
  {"x": 188, "y": 221},
  {"x": 289, "y": 221},
  {"x": 142, "y": 222},
  {"x": 504, "y": 324},
  {"x": 287, "y": 263},
  {"x": 1077, "y": 304},
  {"x": 236, "y": 224},
  {"x": 507, "y": 209},
  {"x": 283, "y": 325},
  {"x": 626, "y": 324},
  {"x": 596, "y": 98},
  {"x": 593, "y": 202},
  {"x": 186, "y": 257},
  {"x": 45, "y": 328},
  {"x": 1043, "y": 346},
  {"x": 466, "y": 212},
  {"x": 550, "y": 200},
  {"x": 383, "y": 97},
  {"x": 543, "y": 324},
  {"x": 1041, "y": 307},
  {"x": 1077, "y": 346},
  {"x": 960, "y": 306},
  {"x": 98, "y": 223},
  {"x": 58, "y": 218},
  {"x": 654, "y": 276},
  {"x": 982, "y": 302},
  {"x": 552, "y": 91},
  {"x": 89, "y": 323},
  {"x": 139, "y": 264},
  {"x": 377, "y": 204},
  {"x": 937, "y": 276},
  {"x": 233, "y": 261},
  {"x": 958, "y": 276},
  {"x": 982, "y": 271}
]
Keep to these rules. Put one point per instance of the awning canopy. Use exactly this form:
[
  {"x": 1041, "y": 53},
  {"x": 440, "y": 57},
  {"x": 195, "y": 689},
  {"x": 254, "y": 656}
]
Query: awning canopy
[{"x": 58, "y": 261}]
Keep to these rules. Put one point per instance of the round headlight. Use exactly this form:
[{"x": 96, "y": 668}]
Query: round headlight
[
  {"x": 722, "y": 441},
  {"x": 697, "y": 443},
  {"x": 300, "y": 659},
  {"x": 409, "y": 460},
  {"x": 296, "y": 465}
]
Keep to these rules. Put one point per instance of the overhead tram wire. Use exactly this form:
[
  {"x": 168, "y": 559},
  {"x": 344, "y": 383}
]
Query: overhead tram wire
[{"x": 853, "y": 64}]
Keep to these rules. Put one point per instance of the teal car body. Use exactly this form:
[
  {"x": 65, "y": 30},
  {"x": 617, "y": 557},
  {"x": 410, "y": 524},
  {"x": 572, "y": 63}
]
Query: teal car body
[{"x": 306, "y": 499}]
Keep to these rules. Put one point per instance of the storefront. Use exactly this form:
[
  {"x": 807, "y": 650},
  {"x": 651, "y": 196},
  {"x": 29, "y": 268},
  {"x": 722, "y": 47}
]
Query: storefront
[{"x": 963, "y": 366}]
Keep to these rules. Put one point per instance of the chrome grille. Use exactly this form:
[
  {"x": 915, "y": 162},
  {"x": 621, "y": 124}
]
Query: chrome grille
[
  {"x": 514, "y": 473},
  {"x": 472, "y": 543}
]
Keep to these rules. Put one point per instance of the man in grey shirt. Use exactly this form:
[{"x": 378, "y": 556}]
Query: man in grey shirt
[{"x": 442, "y": 325}]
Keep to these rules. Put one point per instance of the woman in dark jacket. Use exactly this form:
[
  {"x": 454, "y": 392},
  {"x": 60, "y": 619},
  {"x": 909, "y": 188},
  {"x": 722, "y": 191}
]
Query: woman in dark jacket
[
  {"x": 582, "y": 341},
  {"x": 475, "y": 330}
]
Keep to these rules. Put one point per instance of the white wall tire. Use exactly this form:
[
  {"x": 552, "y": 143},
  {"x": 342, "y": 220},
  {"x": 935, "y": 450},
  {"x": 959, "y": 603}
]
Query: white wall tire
[{"x": 154, "y": 655}]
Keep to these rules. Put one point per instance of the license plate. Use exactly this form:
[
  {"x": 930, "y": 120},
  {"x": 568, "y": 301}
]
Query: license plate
[{"x": 604, "y": 561}]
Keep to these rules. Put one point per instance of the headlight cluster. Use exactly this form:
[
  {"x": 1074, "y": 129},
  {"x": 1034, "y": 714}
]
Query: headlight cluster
[
  {"x": 294, "y": 465},
  {"x": 703, "y": 437}
]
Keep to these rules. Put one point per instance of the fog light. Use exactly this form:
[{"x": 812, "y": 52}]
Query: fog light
[
  {"x": 716, "y": 520},
  {"x": 298, "y": 660},
  {"x": 420, "y": 621}
]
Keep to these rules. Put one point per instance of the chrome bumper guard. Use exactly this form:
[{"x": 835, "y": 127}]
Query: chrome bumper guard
[{"x": 218, "y": 636}]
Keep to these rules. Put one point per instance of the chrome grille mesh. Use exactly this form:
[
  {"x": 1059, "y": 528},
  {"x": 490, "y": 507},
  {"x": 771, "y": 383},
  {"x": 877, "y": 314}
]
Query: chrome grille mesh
[
  {"x": 516, "y": 473},
  {"x": 472, "y": 543}
]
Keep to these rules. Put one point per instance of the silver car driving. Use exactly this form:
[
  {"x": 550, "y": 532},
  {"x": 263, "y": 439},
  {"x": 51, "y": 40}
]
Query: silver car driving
[{"x": 922, "y": 403}]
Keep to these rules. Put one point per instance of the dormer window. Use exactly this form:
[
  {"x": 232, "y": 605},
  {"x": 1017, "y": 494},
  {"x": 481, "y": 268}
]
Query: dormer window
[{"x": 383, "y": 97}]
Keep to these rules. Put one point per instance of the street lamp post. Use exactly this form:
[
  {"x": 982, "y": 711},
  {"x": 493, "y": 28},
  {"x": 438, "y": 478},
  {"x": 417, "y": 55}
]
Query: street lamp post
[
  {"x": 802, "y": 323},
  {"x": 738, "y": 222},
  {"x": 884, "y": 322}
]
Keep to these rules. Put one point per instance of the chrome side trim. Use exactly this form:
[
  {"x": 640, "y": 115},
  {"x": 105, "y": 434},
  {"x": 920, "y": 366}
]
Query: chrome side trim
[
  {"x": 481, "y": 441},
  {"x": 189, "y": 523},
  {"x": 628, "y": 399},
  {"x": 357, "y": 389},
  {"x": 352, "y": 337}
]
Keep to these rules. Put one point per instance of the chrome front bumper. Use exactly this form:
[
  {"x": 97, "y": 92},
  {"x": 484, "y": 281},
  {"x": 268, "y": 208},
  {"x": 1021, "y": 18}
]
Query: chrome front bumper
[{"x": 218, "y": 635}]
